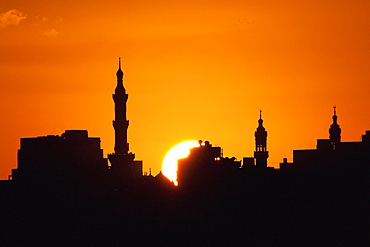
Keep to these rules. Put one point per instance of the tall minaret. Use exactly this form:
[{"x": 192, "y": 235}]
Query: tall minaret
[
  {"x": 261, "y": 154},
  {"x": 334, "y": 131},
  {"x": 123, "y": 166},
  {"x": 120, "y": 123}
]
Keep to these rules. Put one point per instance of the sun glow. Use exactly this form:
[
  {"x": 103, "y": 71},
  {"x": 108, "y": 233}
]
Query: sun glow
[{"x": 181, "y": 150}]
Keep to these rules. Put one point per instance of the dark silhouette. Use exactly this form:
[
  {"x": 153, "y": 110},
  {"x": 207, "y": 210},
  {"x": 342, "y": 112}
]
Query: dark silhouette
[
  {"x": 120, "y": 123},
  {"x": 64, "y": 193},
  {"x": 203, "y": 166},
  {"x": 332, "y": 154},
  {"x": 123, "y": 165},
  {"x": 261, "y": 154},
  {"x": 71, "y": 157},
  {"x": 334, "y": 131}
]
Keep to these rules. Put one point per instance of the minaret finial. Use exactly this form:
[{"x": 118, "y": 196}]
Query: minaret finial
[
  {"x": 119, "y": 71},
  {"x": 260, "y": 121},
  {"x": 335, "y": 112}
]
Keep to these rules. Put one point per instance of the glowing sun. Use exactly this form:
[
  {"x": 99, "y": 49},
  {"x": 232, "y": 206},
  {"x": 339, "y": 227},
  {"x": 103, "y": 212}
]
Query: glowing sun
[{"x": 181, "y": 150}]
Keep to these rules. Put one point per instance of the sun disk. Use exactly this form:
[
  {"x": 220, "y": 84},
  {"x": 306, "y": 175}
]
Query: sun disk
[{"x": 169, "y": 165}]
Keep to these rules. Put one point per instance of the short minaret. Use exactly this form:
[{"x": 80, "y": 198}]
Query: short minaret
[
  {"x": 120, "y": 123},
  {"x": 261, "y": 154},
  {"x": 334, "y": 131}
]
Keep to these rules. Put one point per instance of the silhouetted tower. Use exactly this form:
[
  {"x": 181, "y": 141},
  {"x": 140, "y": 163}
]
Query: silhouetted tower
[
  {"x": 261, "y": 154},
  {"x": 334, "y": 131},
  {"x": 123, "y": 165},
  {"x": 120, "y": 123}
]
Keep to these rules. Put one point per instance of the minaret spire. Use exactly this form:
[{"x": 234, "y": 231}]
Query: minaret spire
[
  {"x": 120, "y": 88},
  {"x": 123, "y": 166},
  {"x": 334, "y": 131},
  {"x": 261, "y": 153},
  {"x": 120, "y": 122}
]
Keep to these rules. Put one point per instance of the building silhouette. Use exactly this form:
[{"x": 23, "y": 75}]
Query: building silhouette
[
  {"x": 204, "y": 167},
  {"x": 334, "y": 131},
  {"x": 65, "y": 193},
  {"x": 122, "y": 161},
  {"x": 332, "y": 154},
  {"x": 261, "y": 154},
  {"x": 74, "y": 156},
  {"x": 346, "y": 156},
  {"x": 71, "y": 156}
]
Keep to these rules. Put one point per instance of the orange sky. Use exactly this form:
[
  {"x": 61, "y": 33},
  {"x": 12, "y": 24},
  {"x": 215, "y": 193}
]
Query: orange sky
[{"x": 193, "y": 70}]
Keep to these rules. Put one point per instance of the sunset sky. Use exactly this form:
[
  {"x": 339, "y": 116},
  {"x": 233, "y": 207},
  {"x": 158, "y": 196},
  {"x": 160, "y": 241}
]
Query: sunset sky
[{"x": 193, "y": 70}]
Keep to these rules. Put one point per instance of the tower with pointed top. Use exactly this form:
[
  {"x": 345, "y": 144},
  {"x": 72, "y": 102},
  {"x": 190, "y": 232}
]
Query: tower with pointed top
[
  {"x": 334, "y": 131},
  {"x": 120, "y": 123},
  {"x": 122, "y": 161},
  {"x": 261, "y": 154}
]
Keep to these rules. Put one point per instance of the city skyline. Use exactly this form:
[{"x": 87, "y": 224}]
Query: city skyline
[
  {"x": 124, "y": 167},
  {"x": 294, "y": 62}
]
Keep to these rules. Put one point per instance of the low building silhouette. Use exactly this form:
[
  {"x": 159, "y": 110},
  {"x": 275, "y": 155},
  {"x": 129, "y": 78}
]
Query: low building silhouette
[
  {"x": 70, "y": 156},
  {"x": 332, "y": 154},
  {"x": 205, "y": 166},
  {"x": 286, "y": 165},
  {"x": 338, "y": 156}
]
